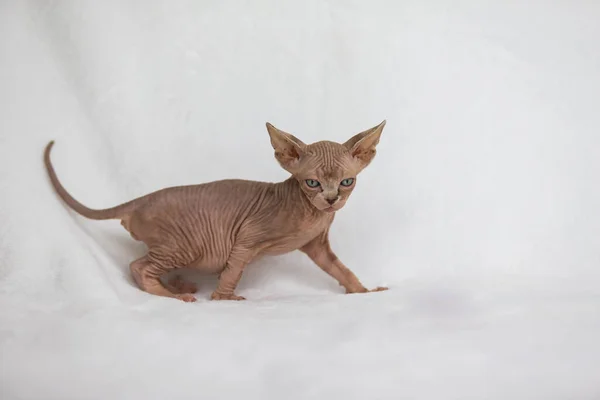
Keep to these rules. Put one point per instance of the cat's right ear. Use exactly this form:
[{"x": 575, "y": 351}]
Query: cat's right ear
[
  {"x": 362, "y": 146},
  {"x": 288, "y": 148}
]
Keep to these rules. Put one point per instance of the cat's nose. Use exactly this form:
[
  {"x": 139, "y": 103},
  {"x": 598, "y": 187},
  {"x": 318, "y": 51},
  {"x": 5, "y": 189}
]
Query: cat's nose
[{"x": 331, "y": 201}]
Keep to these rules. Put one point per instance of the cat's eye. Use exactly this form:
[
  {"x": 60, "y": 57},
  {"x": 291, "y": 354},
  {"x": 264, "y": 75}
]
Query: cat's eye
[
  {"x": 312, "y": 183},
  {"x": 347, "y": 182}
]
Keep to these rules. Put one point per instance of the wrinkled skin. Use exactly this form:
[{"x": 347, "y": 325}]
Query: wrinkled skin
[{"x": 221, "y": 226}]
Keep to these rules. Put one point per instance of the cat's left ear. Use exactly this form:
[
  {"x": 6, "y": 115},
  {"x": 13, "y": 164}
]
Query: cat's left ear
[
  {"x": 362, "y": 145},
  {"x": 288, "y": 148}
]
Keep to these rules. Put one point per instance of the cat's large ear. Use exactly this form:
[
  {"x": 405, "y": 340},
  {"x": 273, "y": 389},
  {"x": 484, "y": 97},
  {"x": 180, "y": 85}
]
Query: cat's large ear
[
  {"x": 288, "y": 148},
  {"x": 362, "y": 145}
]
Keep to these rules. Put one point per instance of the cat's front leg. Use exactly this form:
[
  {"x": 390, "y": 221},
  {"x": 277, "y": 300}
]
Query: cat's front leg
[
  {"x": 230, "y": 277},
  {"x": 319, "y": 251},
  {"x": 228, "y": 281}
]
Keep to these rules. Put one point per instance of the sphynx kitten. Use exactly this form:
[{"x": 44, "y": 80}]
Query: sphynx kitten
[{"x": 221, "y": 226}]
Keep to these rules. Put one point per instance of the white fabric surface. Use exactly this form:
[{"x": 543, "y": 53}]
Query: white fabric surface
[{"x": 481, "y": 210}]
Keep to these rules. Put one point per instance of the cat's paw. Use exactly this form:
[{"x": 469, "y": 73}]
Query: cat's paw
[
  {"x": 379, "y": 289},
  {"x": 220, "y": 296},
  {"x": 186, "y": 297},
  {"x": 180, "y": 286},
  {"x": 365, "y": 290}
]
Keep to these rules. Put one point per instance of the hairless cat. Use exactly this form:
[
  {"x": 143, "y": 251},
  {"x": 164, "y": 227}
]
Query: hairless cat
[{"x": 221, "y": 226}]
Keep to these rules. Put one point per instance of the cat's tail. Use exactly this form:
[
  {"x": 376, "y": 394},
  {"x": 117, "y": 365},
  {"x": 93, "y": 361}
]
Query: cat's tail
[{"x": 117, "y": 212}]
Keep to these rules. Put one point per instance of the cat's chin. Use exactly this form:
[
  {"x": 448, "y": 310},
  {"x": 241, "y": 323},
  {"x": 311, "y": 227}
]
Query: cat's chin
[{"x": 330, "y": 209}]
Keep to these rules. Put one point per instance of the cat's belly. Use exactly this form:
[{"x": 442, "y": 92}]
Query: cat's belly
[
  {"x": 206, "y": 265},
  {"x": 182, "y": 242}
]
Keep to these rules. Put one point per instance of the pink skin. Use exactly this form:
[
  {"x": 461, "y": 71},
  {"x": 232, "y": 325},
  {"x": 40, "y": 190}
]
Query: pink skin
[{"x": 222, "y": 226}]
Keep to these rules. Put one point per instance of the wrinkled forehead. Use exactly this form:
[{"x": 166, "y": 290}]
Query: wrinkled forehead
[{"x": 329, "y": 160}]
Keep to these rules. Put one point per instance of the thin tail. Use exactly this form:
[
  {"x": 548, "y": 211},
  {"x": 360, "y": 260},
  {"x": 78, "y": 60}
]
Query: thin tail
[{"x": 109, "y": 213}]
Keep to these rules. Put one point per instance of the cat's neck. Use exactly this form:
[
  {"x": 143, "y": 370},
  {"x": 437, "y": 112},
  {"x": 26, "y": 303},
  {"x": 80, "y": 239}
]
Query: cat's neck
[{"x": 291, "y": 195}]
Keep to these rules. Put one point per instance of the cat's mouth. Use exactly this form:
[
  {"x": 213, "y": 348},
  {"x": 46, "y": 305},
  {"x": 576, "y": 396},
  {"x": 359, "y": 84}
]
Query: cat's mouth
[
  {"x": 328, "y": 208},
  {"x": 332, "y": 208}
]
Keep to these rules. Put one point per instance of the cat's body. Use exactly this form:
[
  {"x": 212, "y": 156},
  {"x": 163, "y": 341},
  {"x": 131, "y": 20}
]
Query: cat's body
[
  {"x": 200, "y": 225},
  {"x": 221, "y": 226}
]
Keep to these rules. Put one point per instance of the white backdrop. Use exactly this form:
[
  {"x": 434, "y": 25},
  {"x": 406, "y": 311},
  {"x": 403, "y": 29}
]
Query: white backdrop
[{"x": 480, "y": 210}]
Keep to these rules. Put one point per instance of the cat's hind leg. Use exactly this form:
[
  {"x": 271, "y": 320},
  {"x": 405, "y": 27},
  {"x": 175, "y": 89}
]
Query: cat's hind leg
[
  {"x": 147, "y": 273},
  {"x": 179, "y": 285}
]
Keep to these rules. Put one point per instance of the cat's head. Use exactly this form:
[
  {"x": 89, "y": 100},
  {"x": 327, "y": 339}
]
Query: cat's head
[{"x": 326, "y": 171}]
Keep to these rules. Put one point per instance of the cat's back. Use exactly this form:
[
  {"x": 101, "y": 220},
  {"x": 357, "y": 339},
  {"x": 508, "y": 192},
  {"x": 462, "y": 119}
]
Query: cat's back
[
  {"x": 230, "y": 195},
  {"x": 214, "y": 207}
]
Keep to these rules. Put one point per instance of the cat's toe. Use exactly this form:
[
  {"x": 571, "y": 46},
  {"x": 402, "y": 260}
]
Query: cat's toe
[
  {"x": 220, "y": 296},
  {"x": 379, "y": 289},
  {"x": 186, "y": 297}
]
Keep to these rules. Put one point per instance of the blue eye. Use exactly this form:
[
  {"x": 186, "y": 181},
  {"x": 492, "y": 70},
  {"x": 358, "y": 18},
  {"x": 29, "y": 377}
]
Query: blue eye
[
  {"x": 312, "y": 183},
  {"x": 347, "y": 182}
]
